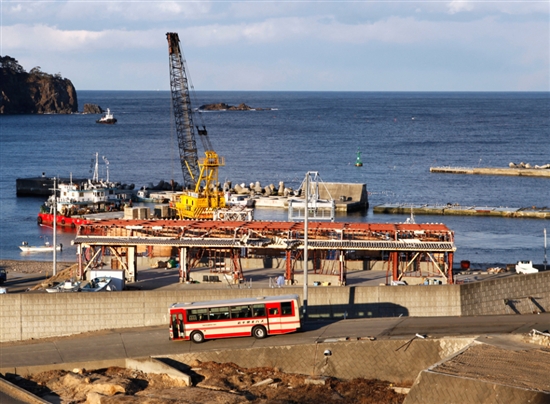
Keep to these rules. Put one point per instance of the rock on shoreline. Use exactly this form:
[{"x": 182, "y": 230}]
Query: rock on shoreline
[{"x": 222, "y": 106}]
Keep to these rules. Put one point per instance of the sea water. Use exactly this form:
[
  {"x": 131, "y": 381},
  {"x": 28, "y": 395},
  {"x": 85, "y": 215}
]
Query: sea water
[{"x": 399, "y": 135}]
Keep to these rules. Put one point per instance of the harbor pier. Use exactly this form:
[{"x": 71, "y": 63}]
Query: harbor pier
[
  {"x": 532, "y": 212},
  {"x": 521, "y": 172}
]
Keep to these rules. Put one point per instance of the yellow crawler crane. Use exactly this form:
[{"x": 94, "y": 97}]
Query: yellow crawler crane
[
  {"x": 202, "y": 195},
  {"x": 206, "y": 198}
]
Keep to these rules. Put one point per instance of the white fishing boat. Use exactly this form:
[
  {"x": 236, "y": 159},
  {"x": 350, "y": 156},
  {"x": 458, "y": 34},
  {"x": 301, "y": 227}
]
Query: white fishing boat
[
  {"x": 47, "y": 247},
  {"x": 108, "y": 118}
]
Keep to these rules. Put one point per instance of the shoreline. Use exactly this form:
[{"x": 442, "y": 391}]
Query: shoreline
[{"x": 33, "y": 267}]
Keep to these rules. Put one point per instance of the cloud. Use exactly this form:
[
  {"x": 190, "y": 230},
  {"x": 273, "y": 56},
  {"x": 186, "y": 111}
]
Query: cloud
[
  {"x": 457, "y": 6},
  {"x": 42, "y": 38},
  {"x": 283, "y": 44}
]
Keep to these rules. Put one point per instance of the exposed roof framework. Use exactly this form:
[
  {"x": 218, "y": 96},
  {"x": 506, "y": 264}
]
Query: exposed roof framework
[{"x": 266, "y": 234}]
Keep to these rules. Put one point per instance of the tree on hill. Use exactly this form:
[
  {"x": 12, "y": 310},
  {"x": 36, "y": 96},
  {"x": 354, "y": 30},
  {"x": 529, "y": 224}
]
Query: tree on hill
[{"x": 9, "y": 63}]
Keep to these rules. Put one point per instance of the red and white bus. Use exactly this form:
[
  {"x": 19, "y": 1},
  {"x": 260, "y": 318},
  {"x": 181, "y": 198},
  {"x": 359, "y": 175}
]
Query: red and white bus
[{"x": 258, "y": 317}]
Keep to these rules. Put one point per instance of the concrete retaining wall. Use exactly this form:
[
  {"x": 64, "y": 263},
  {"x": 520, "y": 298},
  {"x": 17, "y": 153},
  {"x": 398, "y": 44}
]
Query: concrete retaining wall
[
  {"x": 437, "y": 388},
  {"x": 350, "y": 359},
  {"x": 517, "y": 294},
  {"x": 392, "y": 360},
  {"x": 42, "y": 315}
]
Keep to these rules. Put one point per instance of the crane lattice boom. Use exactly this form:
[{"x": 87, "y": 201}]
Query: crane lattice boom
[
  {"x": 199, "y": 176},
  {"x": 183, "y": 114}
]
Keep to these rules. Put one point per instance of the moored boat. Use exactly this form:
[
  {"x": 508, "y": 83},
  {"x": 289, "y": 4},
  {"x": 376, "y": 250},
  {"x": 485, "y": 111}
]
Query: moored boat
[
  {"x": 76, "y": 201},
  {"x": 239, "y": 200},
  {"x": 108, "y": 118},
  {"x": 47, "y": 247},
  {"x": 146, "y": 196}
]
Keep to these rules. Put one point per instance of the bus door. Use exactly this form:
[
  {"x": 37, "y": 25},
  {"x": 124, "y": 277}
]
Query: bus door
[
  {"x": 274, "y": 317},
  {"x": 176, "y": 325}
]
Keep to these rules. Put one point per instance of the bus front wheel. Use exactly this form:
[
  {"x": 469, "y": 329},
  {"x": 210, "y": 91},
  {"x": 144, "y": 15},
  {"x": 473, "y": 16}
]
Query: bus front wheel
[
  {"x": 197, "y": 337},
  {"x": 259, "y": 332}
]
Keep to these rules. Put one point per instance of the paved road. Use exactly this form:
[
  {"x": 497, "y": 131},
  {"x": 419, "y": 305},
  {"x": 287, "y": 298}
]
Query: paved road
[
  {"x": 20, "y": 282},
  {"x": 153, "y": 341}
]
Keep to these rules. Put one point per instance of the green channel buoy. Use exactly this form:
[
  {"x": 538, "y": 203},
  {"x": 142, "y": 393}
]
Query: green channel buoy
[{"x": 358, "y": 162}]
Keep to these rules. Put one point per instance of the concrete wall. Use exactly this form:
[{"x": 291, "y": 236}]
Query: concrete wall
[
  {"x": 512, "y": 294},
  {"x": 350, "y": 359},
  {"x": 380, "y": 359},
  {"x": 41, "y": 315},
  {"x": 357, "y": 192},
  {"x": 437, "y": 388}
]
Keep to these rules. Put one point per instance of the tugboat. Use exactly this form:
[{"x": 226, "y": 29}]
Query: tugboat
[{"x": 108, "y": 118}]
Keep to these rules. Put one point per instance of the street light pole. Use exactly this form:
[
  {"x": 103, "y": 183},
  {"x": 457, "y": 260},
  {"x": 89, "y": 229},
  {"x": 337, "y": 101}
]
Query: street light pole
[
  {"x": 545, "y": 261},
  {"x": 54, "y": 226},
  {"x": 306, "y": 186}
]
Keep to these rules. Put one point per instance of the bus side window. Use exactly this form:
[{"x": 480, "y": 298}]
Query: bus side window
[
  {"x": 240, "y": 312},
  {"x": 286, "y": 308},
  {"x": 258, "y": 310},
  {"x": 273, "y": 311},
  {"x": 219, "y": 313},
  {"x": 194, "y": 315}
]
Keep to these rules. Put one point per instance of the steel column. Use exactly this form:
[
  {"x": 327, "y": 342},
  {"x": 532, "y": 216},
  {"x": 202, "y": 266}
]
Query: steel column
[
  {"x": 450, "y": 278},
  {"x": 289, "y": 273},
  {"x": 394, "y": 259}
]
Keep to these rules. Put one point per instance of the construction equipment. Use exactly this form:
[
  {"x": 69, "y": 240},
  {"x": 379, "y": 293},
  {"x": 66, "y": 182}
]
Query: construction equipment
[{"x": 201, "y": 195}]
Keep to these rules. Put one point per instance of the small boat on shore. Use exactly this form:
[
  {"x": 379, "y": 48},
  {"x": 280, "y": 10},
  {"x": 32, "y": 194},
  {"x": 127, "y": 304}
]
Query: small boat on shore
[
  {"x": 64, "y": 287},
  {"x": 47, "y": 247},
  {"x": 101, "y": 284},
  {"x": 108, "y": 118}
]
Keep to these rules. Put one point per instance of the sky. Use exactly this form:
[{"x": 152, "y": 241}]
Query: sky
[{"x": 299, "y": 45}]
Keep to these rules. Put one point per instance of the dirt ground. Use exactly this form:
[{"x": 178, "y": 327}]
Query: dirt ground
[
  {"x": 213, "y": 383},
  {"x": 33, "y": 267}
]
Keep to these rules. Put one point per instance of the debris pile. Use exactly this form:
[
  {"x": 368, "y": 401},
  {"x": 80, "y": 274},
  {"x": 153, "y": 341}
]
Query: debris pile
[{"x": 212, "y": 383}]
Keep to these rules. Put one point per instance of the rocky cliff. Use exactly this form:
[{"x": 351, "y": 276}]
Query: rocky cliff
[{"x": 34, "y": 92}]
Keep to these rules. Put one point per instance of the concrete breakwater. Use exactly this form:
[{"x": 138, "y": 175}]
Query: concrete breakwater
[
  {"x": 347, "y": 196},
  {"x": 458, "y": 210},
  {"x": 525, "y": 172}
]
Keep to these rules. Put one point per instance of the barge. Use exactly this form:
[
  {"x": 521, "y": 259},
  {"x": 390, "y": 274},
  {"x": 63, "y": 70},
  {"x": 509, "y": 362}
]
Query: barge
[{"x": 459, "y": 210}]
